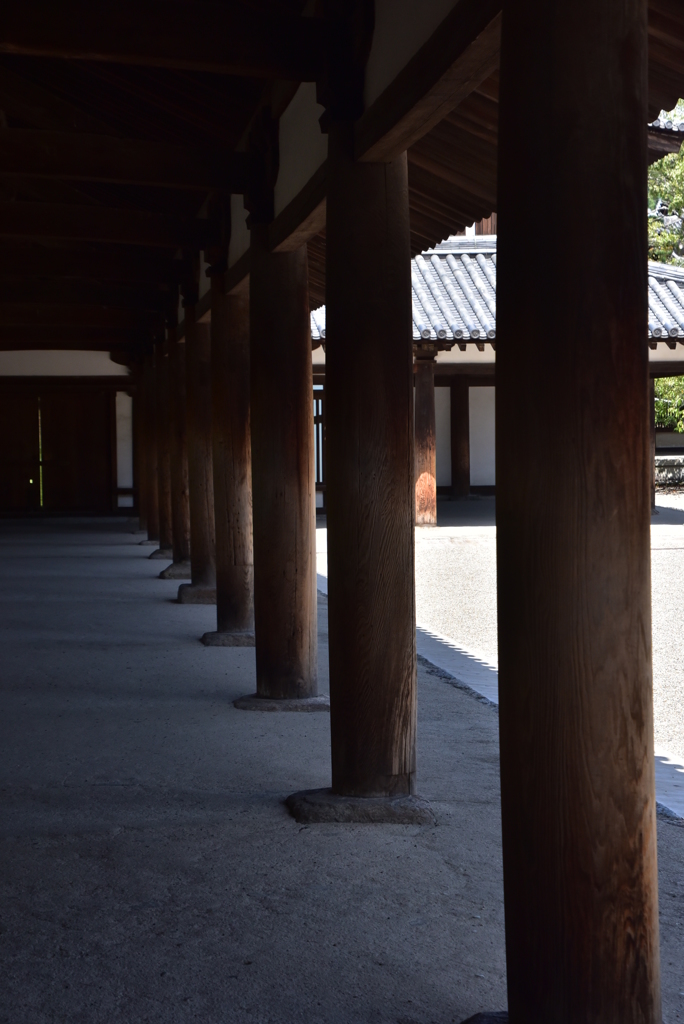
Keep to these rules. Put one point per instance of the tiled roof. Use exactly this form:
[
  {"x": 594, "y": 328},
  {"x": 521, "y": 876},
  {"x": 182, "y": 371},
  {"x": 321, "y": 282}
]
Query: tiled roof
[
  {"x": 454, "y": 296},
  {"x": 667, "y": 125}
]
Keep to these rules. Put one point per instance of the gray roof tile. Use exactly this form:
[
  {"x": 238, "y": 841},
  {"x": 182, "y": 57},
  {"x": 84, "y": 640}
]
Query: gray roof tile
[{"x": 454, "y": 295}]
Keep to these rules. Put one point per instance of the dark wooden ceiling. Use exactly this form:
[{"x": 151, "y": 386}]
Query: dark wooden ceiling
[{"x": 452, "y": 169}]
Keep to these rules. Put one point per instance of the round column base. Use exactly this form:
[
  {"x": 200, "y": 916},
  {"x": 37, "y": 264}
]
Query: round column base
[
  {"x": 196, "y": 593},
  {"x": 165, "y": 553},
  {"x": 148, "y": 543},
  {"x": 218, "y": 639},
  {"x": 256, "y": 703},
  {"x": 324, "y": 806},
  {"x": 176, "y": 571}
]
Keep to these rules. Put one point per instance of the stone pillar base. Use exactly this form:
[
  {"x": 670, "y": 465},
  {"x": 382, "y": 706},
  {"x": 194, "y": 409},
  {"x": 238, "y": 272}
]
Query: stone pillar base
[
  {"x": 256, "y": 703},
  {"x": 176, "y": 571},
  {"x": 165, "y": 553},
  {"x": 500, "y": 1017},
  {"x": 218, "y": 639},
  {"x": 148, "y": 543},
  {"x": 324, "y": 806},
  {"x": 196, "y": 593}
]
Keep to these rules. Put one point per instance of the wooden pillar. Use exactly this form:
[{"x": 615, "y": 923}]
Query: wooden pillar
[
  {"x": 232, "y": 458},
  {"x": 180, "y": 488},
  {"x": 573, "y": 512},
  {"x": 151, "y": 467},
  {"x": 283, "y": 478},
  {"x": 652, "y": 437},
  {"x": 161, "y": 377},
  {"x": 370, "y": 475},
  {"x": 140, "y": 461},
  {"x": 425, "y": 443},
  {"x": 460, "y": 437},
  {"x": 202, "y": 589}
]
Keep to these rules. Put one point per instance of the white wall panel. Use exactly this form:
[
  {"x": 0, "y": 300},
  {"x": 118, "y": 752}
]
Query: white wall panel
[
  {"x": 482, "y": 463},
  {"x": 443, "y": 431},
  {"x": 401, "y": 28},
  {"x": 303, "y": 146},
  {"x": 124, "y": 440}
]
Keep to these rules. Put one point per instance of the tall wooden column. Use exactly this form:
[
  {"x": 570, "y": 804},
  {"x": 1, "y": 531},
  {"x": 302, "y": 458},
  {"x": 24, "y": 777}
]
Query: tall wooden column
[
  {"x": 202, "y": 589},
  {"x": 283, "y": 478},
  {"x": 139, "y": 455},
  {"x": 573, "y": 510},
  {"x": 180, "y": 487},
  {"x": 460, "y": 437},
  {"x": 232, "y": 457},
  {"x": 151, "y": 467},
  {"x": 370, "y": 495},
  {"x": 425, "y": 443},
  {"x": 161, "y": 377}
]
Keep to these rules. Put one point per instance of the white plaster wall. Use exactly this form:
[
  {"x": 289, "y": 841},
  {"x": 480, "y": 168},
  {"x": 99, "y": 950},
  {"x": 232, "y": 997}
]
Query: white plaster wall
[
  {"x": 124, "y": 446},
  {"x": 443, "y": 435},
  {"x": 239, "y": 232},
  {"x": 401, "y": 28},
  {"x": 303, "y": 146},
  {"x": 482, "y": 461},
  {"x": 67, "y": 363}
]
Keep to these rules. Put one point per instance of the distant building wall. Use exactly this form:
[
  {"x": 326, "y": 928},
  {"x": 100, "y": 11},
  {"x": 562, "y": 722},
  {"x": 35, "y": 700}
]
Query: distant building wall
[
  {"x": 482, "y": 464},
  {"x": 124, "y": 447},
  {"x": 443, "y": 424}
]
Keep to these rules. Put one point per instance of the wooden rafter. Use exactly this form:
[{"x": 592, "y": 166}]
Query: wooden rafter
[
  {"x": 222, "y": 38},
  {"x": 78, "y": 157},
  {"x": 101, "y": 224}
]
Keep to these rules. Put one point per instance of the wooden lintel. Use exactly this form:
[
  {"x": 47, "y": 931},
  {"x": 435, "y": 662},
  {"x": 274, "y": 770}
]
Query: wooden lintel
[
  {"x": 17, "y": 314},
  {"x": 115, "y": 382},
  {"x": 102, "y": 224},
  {"x": 238, "y": 274},
  {"x": 461, "y": 53},
  {"x": 60, "y": 262},
  {"x": 303, "y": 217},
  {"x": 77, "y": 157},
  {"x": 49, "y": 291},
  {"x": 223, "y": 38},
  {"x": 102, "y": 339}
]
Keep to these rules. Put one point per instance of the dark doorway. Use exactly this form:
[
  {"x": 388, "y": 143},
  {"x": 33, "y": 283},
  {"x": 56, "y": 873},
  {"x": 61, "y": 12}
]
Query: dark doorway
[{"x": 57, "y": 452}]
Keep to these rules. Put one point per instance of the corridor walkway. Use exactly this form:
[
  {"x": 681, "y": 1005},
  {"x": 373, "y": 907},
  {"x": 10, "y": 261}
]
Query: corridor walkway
[{"x": 150, "y": 872}]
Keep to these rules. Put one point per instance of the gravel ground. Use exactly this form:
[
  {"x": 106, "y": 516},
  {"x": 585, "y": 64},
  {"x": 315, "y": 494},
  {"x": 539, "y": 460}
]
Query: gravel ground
[{"x": 456, "y": 595}]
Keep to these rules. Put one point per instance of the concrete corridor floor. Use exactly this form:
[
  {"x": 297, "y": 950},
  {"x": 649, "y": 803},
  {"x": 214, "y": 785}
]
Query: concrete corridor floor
[{"x": 149, "y": 870}]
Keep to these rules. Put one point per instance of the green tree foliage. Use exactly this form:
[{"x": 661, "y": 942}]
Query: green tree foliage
[
  {"x": 669, "y": 403},
  {"x": 666, "y": 202}
]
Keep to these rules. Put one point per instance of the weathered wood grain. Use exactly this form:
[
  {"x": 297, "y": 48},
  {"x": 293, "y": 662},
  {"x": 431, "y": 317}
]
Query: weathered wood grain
[
  {"x": 161, "y": 371},
  {"x": 151, "y": 469},
  {"x": 370, "y": 474},
  {"x": 232, "y": 456},
  {"x": 200, "y": 471},
  {"x": 180, "y": 486},
  {"x": 573, "y": 510},
  {"x": 425, "y": 443},
  {"x": 283, "y": 480},
  {"x": 460, "y": 437}
]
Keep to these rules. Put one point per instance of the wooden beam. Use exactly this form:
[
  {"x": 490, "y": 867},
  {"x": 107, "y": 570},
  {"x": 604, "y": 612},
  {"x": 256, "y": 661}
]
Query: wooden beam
[
  {"x": 76, "y": 157},
  {"x": 221, "y": 38},
  {"x": 460, "y": 54},
  {"x": 63, "y": 315},
  {"x": 84, "y": 293},
  {"x": 38, "y": 107},
  {"x": 33, "y": 259},
  {"x": 115, "y": 382},
  {"x": 303, "y": 217},
  {"x": 101, "y": 339},
  {"x": 102, "y": 224}
]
